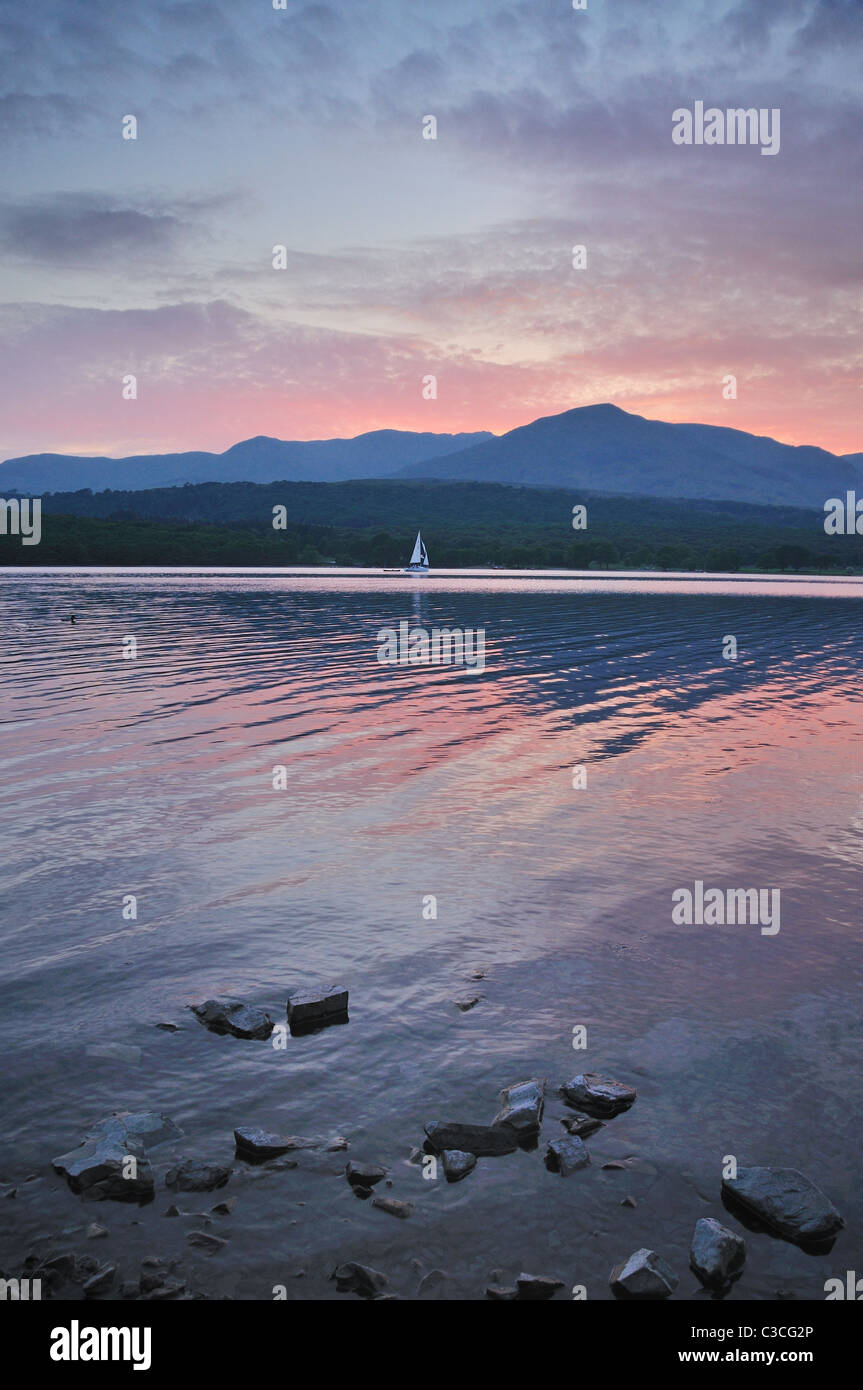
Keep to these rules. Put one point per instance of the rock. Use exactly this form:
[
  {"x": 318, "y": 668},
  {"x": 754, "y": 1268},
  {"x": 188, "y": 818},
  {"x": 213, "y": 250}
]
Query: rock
[
  {"x": 193, "y": 1176},
  {"x": 61, "y": 1267},
  {"x": 614, "y": 1165},
  {"x": 336, "y": 1145},
  {"x": 234, "y": 1017},
  {"x": 581, "y": 1125},
  {"x": 598, "y": 1095},
  {"x": 467, "y": 1003},
  {"x": 129, "y": 1290},
  {"x": 521, "y": 1107},
  {"x": 258, "y": 1145},
  {"x": 439, "y": 1287},
  {"x": 202, "y": 1240},
  {"x": 150, "y": 1127},
  {"x": 364, "y": 1174},
  {"x": 225, "y": 1208},
  {"x": 566, "y": 1156},
  {"x": 393, "y": 1206},
  {"x": 100, "y": 1169},
  {"x": 416, "y": 1155},
  {"x": 629, "y": 1202},
  {"x": 716, "y": 1254},
  {"x": 169, "y": 1027},
  {"x": 457, "y": 1164},
  {"x": 172, "y": 1288},
  {"x": 537, "y": 1286},
  {"x": 99, "y": 1282},
  {"x": 500, "y": 1294},
  {"x": 173, "y": 1210},
  {"x": 310, "y": 1007},
  {"x": 484, "y": 1141},
  {"x": 95, "y": 1231},
  {"x": 644, "y": 1275},
  {"x": 359, "y": 1279},
  {"x": 787, "y": 1201},
  {"x": 116, "y": 1052}
]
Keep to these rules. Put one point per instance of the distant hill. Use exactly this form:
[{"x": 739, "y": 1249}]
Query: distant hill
[
  {"x": 606, "y": 449},
  {"x": 260, "y": 460},
  {"x": 599, "y": 448}
]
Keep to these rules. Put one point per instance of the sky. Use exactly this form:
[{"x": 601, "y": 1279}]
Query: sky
[{"x": 409, "y": 257}]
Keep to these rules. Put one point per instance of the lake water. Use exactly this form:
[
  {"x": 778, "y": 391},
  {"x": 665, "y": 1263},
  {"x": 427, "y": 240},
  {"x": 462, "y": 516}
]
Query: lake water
[{"x": 153, "y": 776}]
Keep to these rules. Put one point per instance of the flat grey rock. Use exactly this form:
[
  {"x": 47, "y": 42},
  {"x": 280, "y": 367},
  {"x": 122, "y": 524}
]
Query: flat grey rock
[
  {"x": 537, "y": 1287},
  {"x": 259, "y": 1144},
  {"x": 644, "y": 1275},
  {"x": 521, "y": 1107},
  {"x": 359, "y": 1279},
  {"x": 484, "y": 1141},
  {"x": 566, "y": 1155},
  {"x": 151, "y": 1127},
  {"x": 500, "y": 1293},
  {"x": 101, "y": 1170},
  {"x": 716, "y": 1253},
  {"x": 457, "y": 1163},
  {"x": 598, "y": 1095},
  {"x": 787, "y": 1201},
  {"x": 393, "y": 1206},
  {"x": 234, "y": 1017},
  {"x": 193, "y": 1176},
  {"x": 311, "y": 1006}
]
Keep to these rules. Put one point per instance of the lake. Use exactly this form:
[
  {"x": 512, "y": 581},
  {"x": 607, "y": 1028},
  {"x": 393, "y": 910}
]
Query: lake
[{"x": 736, "y": 764}]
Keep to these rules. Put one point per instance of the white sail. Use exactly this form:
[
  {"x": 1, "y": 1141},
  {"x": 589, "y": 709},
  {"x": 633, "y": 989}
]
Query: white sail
[{"x": 420, "y": 555}]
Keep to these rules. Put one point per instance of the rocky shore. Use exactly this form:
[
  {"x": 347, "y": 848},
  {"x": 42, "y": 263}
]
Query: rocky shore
[{"x": 120, "y": 1159}]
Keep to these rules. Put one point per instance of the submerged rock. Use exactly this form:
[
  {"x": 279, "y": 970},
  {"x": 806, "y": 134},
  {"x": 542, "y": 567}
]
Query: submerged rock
[
  {"x": 598, "y": 1095},
  {"x": 116, "y": 1052},
  {"x": 457, "y": 1164},
  {"x": 151, "y": 1127},
  {"x": 535, "y": 1287},
  {"x": 234, "y": 1017},
  {"x": 202, "y": 1240},
  {"x": 359, "y": 1279},
  {"x": 393, "y": 1206},
  {"x": 364, "y": 1174},
  {"x": 484, "y": 1141},
  {"x": 257, "y": 1144},
  {"x": 99, "y": 1282},
  {"x": 193, "y": 1176},
  {"x": 225, "y": 1208},
  {"x": 501, "y": 1293},
  {"x": 337, "y": 1144},
  {"x": 566, "y": 1156},
  {"x": 581, "y": 1125},
  {"x": 716, "y": 1254},
  {"x": 787, "y": 1201},
  {"x": 644, "y": 1275},
  {"x": 309, "y": 1007},
  {"x": 521, "y": 1107},
  {"x": 95, "y": 1231},
  {"x": 467, "y": 1003}
]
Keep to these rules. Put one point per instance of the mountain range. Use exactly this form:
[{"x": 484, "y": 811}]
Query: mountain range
[{"x": 601, "y": 448}]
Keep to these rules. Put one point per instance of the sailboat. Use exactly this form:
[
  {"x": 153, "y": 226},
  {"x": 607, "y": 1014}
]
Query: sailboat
[{"x": 419, "y": 561}]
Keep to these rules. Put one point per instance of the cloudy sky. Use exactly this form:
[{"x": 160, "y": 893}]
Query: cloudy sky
[{"x": 407, "y": 256}]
